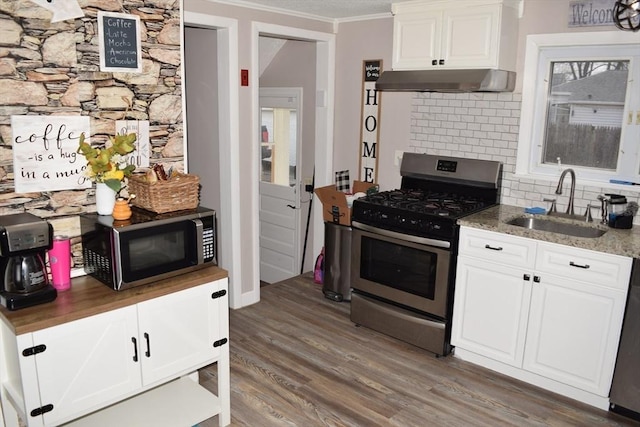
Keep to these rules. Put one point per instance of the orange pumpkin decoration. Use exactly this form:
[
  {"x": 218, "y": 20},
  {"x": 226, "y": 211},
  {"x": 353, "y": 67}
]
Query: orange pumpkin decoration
[{"x": 121, "y": 210}]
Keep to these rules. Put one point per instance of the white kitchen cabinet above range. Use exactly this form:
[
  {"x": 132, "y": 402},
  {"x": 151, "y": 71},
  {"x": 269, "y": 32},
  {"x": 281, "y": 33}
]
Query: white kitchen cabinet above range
[
  {"x": 541, "y": 312},
  {"x": 455, "y": 35}
]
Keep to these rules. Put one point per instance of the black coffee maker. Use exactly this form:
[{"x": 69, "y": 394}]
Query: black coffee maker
[{"x": 24, "y": 240}]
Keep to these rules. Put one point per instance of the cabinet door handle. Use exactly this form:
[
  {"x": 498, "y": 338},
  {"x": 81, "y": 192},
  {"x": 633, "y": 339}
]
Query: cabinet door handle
[
  {"x": 441, "y": 62},
  {"x": 493, "y": 248},
  {"x": 573, "y": 264},
  {"x": 148, "y": 352},
  {"x": 135, "y": 348},
  {"x": 526, "y": 277},
  {"x": 536, "y": 279},
  {"x": 434, "y": 62}
]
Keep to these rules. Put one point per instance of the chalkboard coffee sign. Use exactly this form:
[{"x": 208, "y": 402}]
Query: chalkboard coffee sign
[{"x": 119, "y": 37}]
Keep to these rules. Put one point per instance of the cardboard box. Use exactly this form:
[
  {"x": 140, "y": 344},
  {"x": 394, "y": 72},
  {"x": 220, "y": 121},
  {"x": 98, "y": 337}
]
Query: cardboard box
[{"x": 334, "y": 203}]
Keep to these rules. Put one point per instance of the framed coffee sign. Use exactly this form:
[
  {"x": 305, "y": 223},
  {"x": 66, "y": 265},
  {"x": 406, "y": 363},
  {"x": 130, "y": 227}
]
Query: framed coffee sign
[
  {"x": 119, "y": 42},
  {"x": 369, "y": 125},
  {"x": 45, "y": 154}
]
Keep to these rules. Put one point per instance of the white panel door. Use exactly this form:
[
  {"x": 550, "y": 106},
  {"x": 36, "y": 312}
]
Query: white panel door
[
  {"x": 574, "y": 329},
  {"x": 280, "y": 224},
  {"x": 471, "y": 38},
  {"x": 177, "y": 333},
  {"x": 416, "y": 40},
  {"x": 87, "y": 362},
  {"x": 490, "y": 310}
]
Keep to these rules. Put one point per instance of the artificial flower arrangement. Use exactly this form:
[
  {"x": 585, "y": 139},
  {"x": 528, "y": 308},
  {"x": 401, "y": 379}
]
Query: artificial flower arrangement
[{"x": 108, "y": 165}]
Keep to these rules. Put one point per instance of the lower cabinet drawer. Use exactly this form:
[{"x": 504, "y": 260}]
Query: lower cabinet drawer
[
  {"x": 496, "y": 247},
  {"x": 584, "y": 265}
]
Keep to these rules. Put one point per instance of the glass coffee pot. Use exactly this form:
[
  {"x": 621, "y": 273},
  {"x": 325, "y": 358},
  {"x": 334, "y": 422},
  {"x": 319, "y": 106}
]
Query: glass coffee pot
[{"x": 25, "y": 273}]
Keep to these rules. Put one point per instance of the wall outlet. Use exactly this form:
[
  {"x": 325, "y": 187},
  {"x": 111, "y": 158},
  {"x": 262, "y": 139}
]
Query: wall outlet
[{"x": 397, "y": 157}]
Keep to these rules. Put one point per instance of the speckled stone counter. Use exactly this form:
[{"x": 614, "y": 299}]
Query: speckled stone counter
[{"x": 614, "y": 241}]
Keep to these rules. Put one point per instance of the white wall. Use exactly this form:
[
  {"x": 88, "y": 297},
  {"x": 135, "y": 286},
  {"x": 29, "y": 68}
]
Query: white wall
[
  {"x": 359, "y": 41},
  {"x": 201, "y": 93}
]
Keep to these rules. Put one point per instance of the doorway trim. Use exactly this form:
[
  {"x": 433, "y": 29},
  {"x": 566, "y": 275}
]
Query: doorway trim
[
  {"x": 325, "y": 96},
  {"x": 229, "y": 131}
]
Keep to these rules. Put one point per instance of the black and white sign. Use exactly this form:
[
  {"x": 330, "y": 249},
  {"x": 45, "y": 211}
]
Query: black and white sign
[
  {"x": 140, "y": 156},
  {"x": 590, "y": 13},
  {"x": 44, "y": 153},
  {"x": 120, "y": 47},
  {"x": 369, "y": 126}
]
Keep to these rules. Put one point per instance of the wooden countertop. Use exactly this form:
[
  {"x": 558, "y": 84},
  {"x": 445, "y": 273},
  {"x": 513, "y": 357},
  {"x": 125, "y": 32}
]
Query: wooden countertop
[{"x": 88, "y": 297}]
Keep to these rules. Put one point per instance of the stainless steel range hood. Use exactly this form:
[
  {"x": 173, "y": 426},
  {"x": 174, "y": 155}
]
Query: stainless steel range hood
[{"x": 461, "y": 80}]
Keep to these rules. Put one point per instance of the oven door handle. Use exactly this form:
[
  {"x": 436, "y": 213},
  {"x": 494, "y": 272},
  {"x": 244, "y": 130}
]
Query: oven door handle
[{"x": 401, "y": 236}]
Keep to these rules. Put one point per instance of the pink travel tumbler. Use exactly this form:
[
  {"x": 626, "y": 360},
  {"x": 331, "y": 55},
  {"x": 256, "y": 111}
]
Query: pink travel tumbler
[{"x": 60, "y": 260}]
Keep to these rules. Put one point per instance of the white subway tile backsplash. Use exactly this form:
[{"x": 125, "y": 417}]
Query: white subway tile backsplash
[{"x": 486, "y": 126}]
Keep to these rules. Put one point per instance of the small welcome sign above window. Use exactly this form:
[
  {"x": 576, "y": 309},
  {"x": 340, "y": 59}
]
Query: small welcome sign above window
[
  {"x": 120, "y": 47},
  {"x": 590, "y": 13}
]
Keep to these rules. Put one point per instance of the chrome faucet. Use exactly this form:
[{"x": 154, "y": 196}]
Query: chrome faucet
[{"x": 573, "y": 188}]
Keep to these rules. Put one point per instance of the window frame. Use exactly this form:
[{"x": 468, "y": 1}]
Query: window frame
[{"x": 535, "y": 96}]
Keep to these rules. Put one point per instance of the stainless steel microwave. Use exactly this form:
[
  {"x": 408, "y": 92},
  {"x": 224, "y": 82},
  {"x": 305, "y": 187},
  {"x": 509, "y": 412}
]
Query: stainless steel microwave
[{"x": 147, "y": 247}]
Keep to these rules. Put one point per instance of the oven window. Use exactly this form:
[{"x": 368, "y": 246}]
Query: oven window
[{"x": 400, "y": 267}]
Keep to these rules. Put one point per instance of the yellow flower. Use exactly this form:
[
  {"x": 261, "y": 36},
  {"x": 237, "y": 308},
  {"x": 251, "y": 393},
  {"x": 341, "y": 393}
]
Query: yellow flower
[
  {"x": 107, "y": 164},
  {"x": 113, "y": 174}
]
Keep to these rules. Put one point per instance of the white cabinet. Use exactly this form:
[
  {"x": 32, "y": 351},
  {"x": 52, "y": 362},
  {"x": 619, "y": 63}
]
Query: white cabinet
[
  {"x": 177, "y": 332},
  {"x": 492, "y": 326},
  {"x": 449, "y": 35},
  {"x": 573, "y": 333},
  {"x": 72, "y": 369},
  {"x": 546, "y": 313}
]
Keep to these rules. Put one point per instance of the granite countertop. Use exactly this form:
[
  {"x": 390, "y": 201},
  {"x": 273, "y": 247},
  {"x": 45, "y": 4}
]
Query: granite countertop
[{"x": 614, "y": 241}]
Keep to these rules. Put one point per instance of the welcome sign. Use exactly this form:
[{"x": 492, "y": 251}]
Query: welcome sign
[
  {"x": 591, "y": 13},
  {"x": 369, "y": 130},
  {"x": 44, "y": 153}
]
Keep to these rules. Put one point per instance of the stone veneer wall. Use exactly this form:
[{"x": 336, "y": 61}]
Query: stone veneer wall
[{"x": 53, "y": 69}]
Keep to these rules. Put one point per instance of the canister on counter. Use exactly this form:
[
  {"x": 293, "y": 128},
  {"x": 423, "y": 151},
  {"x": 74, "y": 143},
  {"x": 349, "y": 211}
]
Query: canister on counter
[{"x": 60, "y": 261}]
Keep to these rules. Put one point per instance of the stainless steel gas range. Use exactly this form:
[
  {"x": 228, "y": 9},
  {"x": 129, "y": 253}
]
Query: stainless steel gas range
[{"x": 404, "y": 246}]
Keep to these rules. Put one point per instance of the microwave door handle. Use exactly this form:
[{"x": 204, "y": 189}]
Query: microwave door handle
[{"x": 199, "y": 232}]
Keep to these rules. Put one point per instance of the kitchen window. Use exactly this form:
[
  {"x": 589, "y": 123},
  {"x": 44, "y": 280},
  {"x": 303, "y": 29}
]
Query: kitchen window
[{"x": 580, "y": 106}]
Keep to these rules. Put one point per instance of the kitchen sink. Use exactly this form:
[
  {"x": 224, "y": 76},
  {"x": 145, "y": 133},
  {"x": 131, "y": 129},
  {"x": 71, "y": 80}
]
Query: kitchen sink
[{"x": 557, "y": 227}]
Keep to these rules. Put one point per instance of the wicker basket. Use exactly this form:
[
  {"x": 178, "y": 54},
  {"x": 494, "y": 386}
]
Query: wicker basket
[{"x": 176, "y": 194}]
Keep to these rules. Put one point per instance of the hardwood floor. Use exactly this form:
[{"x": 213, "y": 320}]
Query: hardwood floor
[{"x": 297, "y": 360}]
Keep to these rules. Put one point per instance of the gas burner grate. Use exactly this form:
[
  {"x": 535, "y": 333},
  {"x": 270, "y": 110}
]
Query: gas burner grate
[{"x": 426, "y": 202}]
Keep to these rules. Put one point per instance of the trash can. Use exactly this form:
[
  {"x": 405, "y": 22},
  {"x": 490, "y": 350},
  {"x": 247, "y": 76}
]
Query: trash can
[{"x": 337, "y": 262}]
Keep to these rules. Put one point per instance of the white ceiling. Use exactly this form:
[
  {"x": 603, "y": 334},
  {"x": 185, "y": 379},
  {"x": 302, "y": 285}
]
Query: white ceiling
[{"x": 328, "y": 9}]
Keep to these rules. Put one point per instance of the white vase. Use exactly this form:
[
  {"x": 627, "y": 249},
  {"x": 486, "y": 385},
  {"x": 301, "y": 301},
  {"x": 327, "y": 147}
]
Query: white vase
[{"x": 105, "y": 199}]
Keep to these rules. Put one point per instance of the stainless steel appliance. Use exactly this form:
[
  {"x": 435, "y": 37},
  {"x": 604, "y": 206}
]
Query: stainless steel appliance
[
  {"x": 147, "y": 247},
  {"x": 625, "y": 387},
  {"x": 405, "y": 243},
  {"x": 24, "y": 240},
  {"x": 336, "y": 284}
]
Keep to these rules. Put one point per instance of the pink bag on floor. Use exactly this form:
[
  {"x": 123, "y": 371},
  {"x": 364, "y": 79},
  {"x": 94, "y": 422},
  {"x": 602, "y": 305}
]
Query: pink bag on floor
[{"x": 318, "y": 270}]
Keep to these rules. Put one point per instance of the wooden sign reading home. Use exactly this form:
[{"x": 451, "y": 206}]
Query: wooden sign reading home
[
  {"x": 119, "y": 38},
  {"x": 44, "y": 153},
  {"x": 369, "y": 131}
]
